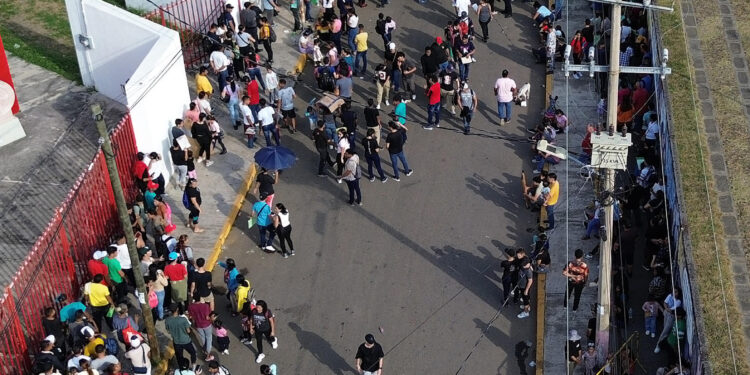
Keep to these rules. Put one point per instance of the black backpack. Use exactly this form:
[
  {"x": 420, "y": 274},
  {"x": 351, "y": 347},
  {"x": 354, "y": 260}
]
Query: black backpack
[
  {"x": 380, "y": 27},
  {"x": 325, "y": 80}
]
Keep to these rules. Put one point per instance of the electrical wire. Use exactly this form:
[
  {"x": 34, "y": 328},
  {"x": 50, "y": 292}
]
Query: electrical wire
[{"x": 567, "y": 195}]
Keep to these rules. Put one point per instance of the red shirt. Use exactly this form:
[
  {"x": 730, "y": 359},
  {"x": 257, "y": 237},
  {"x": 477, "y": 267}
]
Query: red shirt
[
  {"x": 175, "y": 272},
  {"x": 96, "y": 267},
  {"x": 252, "y": 92},
  {"x": 199, "y": 312},
  {"x": 434, "y": 93},
  {"x": 640, "y": 98},
  {"x": 586, "y": 144},
  {"x": 138, "y": 169}
]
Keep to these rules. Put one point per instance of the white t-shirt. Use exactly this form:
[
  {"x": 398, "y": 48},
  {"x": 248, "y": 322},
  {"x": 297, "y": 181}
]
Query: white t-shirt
[
  {"x": 247, "y": 115},
  {"x": 265, "y": 116},
  {"x": 272, "y": 81},
  {"x": 327, "y": 4},
  {"x": 503, "y": 87},
  {"x": 343, "y": 145},
  {"x": 157, "y": 169},
  {"x": 463, "y": 6},
  {"x": 353, "y": 21},
  {"x": 351, "y": 166},
  {"x": 652, "y": 130},
  {"x": 205, "y": 105},
  {"x": 220, "y": 60},
  {"x": 123, "y": 256}
]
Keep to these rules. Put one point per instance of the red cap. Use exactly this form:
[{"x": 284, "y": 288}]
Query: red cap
[
  {"x": 152, "y": 185},
  {"x": 439, "y": 40}
]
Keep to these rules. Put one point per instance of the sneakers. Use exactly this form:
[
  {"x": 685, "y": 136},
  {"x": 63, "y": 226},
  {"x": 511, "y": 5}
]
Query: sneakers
[
  {"x": 269, "y": 248},
  {"x": 536, "y": 171},
  {"x": 244, "y": 341},
  {"x": 285, "y": 255},
  {"x": 591, "y": 256},
  {"x": 225, "y": 352},
  {"x": 386, "y": 102},
  {"x": 648, "y": 332},
  {"x": 260, "y": 358},
  {"x": 209, "y": 163},
  {"x": 372, "y": 179},
  {"x": 292, "y": 253},
  {"x": 413, "y": 96},
  {"x": 522, "y": 315},
  {"x": 453, "y": 111},
  {"x": 653, "y": 335},
  {"x": 338, "y": 180},
  {"x": 378, "y": 106},
  {"x": 396, "y": 179},
  {"x": 427, "y": 127},
  {"x": 275, "y": 343},
  {"x": 200, "y": 160},
  {"x": 409, "y": 172},
  {"x": 384, "y": 179}
]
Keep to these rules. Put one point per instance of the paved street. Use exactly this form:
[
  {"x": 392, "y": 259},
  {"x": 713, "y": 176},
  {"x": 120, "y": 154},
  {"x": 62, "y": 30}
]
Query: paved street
[{"x": 421, "y": 257}]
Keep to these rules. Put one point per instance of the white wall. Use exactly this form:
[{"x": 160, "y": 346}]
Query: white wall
[{"x": 135, "y": 62}]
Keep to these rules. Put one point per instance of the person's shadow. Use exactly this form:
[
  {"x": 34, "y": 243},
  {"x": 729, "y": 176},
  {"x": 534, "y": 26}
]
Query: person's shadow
[{"x": 321, "y": 350}]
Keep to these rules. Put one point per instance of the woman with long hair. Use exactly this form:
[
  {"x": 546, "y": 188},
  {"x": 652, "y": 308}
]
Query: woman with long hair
[
  {"x": 231, "y": 96},
  {"x": 284, "y": 230}
]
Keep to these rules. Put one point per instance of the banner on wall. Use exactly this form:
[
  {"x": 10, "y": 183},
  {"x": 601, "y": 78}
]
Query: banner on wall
[{"x": 5, "y": 74}]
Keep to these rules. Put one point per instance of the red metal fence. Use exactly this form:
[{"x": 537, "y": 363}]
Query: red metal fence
[
  {"x": 191, "y": 19},
  {"x": 85, "y": 221}
]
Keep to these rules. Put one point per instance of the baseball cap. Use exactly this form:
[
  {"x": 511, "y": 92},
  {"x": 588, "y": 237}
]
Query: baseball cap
[
  {"x": 392, "y": 45},
  {"x": 173, "y": 255},
  {"x": 369, "y": 338},
  {"x": 99, "y": 254}
]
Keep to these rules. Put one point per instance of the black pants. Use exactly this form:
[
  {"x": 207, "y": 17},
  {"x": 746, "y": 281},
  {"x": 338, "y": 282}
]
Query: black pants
[
  {"x": 354, "y": 189},
  {"x": 267, "y": 47},
  {"x": 220, "y": 140},
  {"x": 259, "y": 339},
  {"x": 99, "y": 312},
  {"x": 222, "y": 343},
  {"x": 485, "y": 32},
  {"x": 507, "y": 287},
  {"x": 178, "y": 349},
  {"x": 159, "y": 192},
  {"x": 339, "y": 164},
  {"x": 492, "y": 5},
  {"x": 285, "y": 234},
  {"x": 508, "y": 8},
  {"x": 576, "y": 289},
  {"x": 325, "y": 158},
  {"x": 205, "y": 147},
  {"x": 121, "y": 291},
  {"x": 254, "y": 32}
]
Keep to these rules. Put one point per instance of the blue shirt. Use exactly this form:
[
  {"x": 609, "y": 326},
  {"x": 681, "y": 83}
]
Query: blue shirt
[
  {"x": 400, "y": 112},
  {"x": 232, "y": 283},
  {"x": 68, "y": 313},
  {"x": 263, "y": 212},
  {"x": 286, "y": 95}
]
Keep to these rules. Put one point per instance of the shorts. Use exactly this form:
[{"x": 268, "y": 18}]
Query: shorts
[
  {"x": 289, "y": 113},
  {"x": 194, "y": 214},
  {"x": 525, "y": 299},
  {"x": 208, "y": 299}
]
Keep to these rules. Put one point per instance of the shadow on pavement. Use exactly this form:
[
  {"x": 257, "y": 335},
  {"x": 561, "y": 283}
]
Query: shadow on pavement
[{"x": 321, "y": 350}]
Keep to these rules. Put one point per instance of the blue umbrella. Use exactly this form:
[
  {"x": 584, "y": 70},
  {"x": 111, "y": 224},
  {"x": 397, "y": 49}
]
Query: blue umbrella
[{"x": 275, "y": 158}]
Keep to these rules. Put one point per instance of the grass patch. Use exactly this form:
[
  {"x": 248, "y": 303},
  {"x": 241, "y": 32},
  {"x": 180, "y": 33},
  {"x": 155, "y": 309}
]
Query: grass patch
[
  {"x": 690, "y": 136},
  {"x": 61, "y": 61}
]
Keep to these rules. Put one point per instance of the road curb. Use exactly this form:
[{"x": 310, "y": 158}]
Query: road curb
[{"x": 239, "y": 200}]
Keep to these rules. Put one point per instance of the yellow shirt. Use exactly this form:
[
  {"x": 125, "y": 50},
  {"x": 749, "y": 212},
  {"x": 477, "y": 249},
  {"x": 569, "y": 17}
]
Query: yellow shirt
[
  {"x": 361, "y": 41},
  {"x": 202, "y": 84},
  {"x": 242, "y": 296},
  {"x": 97, "y": 294},
  {"x": 554, "y": 193},
  {"x": 90, "y": 349}
]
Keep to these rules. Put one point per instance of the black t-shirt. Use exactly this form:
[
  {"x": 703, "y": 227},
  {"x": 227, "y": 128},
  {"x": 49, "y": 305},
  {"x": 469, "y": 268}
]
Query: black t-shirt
[
  {"x": 447, "y": 80},
  {"x": 591, "y": 336},
  {"x": 382, "y": 73},
  {"x": 370, "y": 145},
  {"x": 201, "y": 132},
  {"x": 389, "y": 56},
  {"x": 53, "y": 327},
  {"x": 193, "y": 192},
  {"x": 321, "y": 141},
  {"x": 370, "y": 357},
  {"x": 261, "y": 321},
  {"x": 574, "y": 349},
  {"x": 266, "y": 183},
  {"x": 178, "y": 156},
  {"x": 395, "y": 142},
  {"x": 508, "y": 268},
  {"x": 429, "y": 65},
  {"x": 349, "y": 119},
  {"x": 371, "y": 116},
  {"x": 439, "y": 53},
  {"x": 202, "y": 279},
  {"x": 544, "y": 257}
]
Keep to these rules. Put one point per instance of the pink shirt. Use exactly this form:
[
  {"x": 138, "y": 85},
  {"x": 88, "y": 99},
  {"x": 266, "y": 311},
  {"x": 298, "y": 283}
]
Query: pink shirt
[
  {"x": 503, "y": 87},
  {"x": 221, "y": 332}
]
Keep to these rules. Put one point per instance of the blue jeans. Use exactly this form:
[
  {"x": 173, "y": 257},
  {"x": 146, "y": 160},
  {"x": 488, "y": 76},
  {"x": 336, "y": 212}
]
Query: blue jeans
[
  {"x": 331, "y": 132},
  {"x": 433, "y": 114},
  {"x": 350, "y": 39},
  {"x": 504, "y": 110},
  {"x": 363, "y": 57},
  {"x": 593, "y": 225},
  {"x": 396, "y": 79},
  {"x": 444, "y": 65},
  {"x": 254, "y": 109},
  {"x": 467, "y": 120},
  {"x": 354, "y": 189},
  {"x": 308, "y": 16},
  {"x": 160, "y": 305},
  {"x": 551, "y": 216},
  {"x": 222, "y": 76},
  {"x": 273, "y": 95},
  {"x": 262, "y": 229},
  {"x": 234, "y": 113},
  {"x": 255, "y": 73},
  {"x": 539, "y": 161},
  {"x": 463, "y": 71},
  {"x": 374, "y": 159},
  {"x": 394, "y": 160},
  {"x": 268, "y": 130},
  {"x": 650, "y": 324}
]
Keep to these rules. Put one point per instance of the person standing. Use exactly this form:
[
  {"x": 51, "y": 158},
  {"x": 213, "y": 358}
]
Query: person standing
[
  {"x": 552, "y": 198},
  {"x": 372, "y": 147},
  {"x": 321, "y": 144},
  {"x": 449, "y": 80},
  {"x": 200, "y": 313},
  {"x": 231, "y": 95},
  {"x": 286, "y": 106},
  {"x": 467, "y": 102},
  {"x": 269, "y": 8},
  {"x": 262, "y": 212},
  {"x": 201, "y": 283},
  {"x": 361, "y": 43},
  {"x": 372, "y": 119},
  {"x": 577, "y": 272},
  {"x": 202, "y": 84},
  {"x": 383, "y": 83},
  {"x": 116, "y": 274},
  {"x": 525, "y": 280},
  {"x": 264, "y": 35},
  {"x": 268, "y": 123},
  {"x": 484, "y": 11},
  {"x": 394, "y": 142},
  {"x": 264, "y": 186},
  {"x": 178, "y": 327},
  {"x": 177, "y": 274},
  {"x": 179, "y": 160},
  {"x": 201, "y": 132},
  {"x": 403, "y": 73},
  {"x": 249, "y": 19},
  {"x": 193, "y": 195},
  {"x": 219, "y": 63},
  {"x": 433, "y": 104},
  {"x": 464, "y": 48},
  {"x": 263, "y": 324},
  {"x": 369, "y": 357},
  {"x": 352, "y": 174},
  {"x": 505, "y": 90},
  {"x": 508, "y": 266},
  {"x": 98, "y": 297},
  {"x": 138, "y": 356},
  {"x": 284, "y": 230},
  {"x": 217, "y": 135},
  {"x": 400, "y": 112},
  {"x": 573, "y": 350},
  {"x": 429, "y": 65},
  {"x": 248, "y": 121}
]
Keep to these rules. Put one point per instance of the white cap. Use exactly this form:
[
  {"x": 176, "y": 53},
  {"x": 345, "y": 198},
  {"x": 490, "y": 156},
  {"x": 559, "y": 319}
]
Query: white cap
[
  {"x": 392, "y": 45},
  {"x": 135, "y": 341},
  {"x": 99, "y": 254},
  {"x": 50, "y": 338}
]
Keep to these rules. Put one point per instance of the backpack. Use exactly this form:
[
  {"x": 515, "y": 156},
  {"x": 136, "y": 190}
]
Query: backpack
[
  {"x": 325, "y": 80},
  {"x": 380, "y": 27},
  {"x": 185, "y": 200},
  {"x": 111, "y": 345},
  {"x": 161, "y": 245},
  {"x": 272, "y": 35}
]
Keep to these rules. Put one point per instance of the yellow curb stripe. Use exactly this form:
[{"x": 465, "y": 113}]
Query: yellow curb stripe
[{"x": 233, "y": 213}]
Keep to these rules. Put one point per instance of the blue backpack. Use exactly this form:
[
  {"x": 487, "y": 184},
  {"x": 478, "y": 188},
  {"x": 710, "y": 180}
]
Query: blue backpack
[
  {"x": 111, "y": 345},
  {"x": 185, "y": 200}
]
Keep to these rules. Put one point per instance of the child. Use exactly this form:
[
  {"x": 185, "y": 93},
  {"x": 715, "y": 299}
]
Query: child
[
  {"x": 272, "y": 85},
  {"x": 312, "y": 117},
  {"x": 250, "y": 133},
  {"x": 222, "y": 339},
  {"x": 317, "y": 53},
  {"x": 218, "y": 134},
  {"x": 650, "y": 313},
  {"x": 191, "y": 165}
]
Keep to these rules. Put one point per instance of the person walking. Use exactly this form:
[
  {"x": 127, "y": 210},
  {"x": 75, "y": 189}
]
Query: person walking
[
  {"x": 467, "y": 102},
  {"x": 217, "y": 135},
  {"x": 201, "y": 132},
  {"x": 286, "y": 107},
  {"x": 321, "y": 145},
  {"x": 177, "y": 274},
  {"x": 264, "y": 187},
  {"x": 449, "y": 81},
  {"x": 525, "y": 280},
  {"x": 284, "y": 230},
  {"x": 193, "y": 196},
  {"x": 433, "y": 104},
  {"x": 267, "y": 123},
  {"x": 264, "y": 35},
  {"x": 138, "y": 356},
  {"x": 369, "y": 357},
  {"x": 394, "y": 142},
  {"x": 551, "y": 199},
  {"x": 179, "y": 329},
  {"x": 505, "y": 91},
  {"x": 484, "y": 11},
  {"x": 372, "y": 147},
  {"x": 383, "y": 83},
  {"x": 577, "y": 272},
  {"x": 352, "y": 174},
  {"x": 231, "y": 96},
  {"x": 361, "y": 42},
  {"x": 202, "y": 316},
  {"x": 465, "y": 50},
  {"x": 263, "y": 324},
  {"x": 372, "y": 119},
  {"x": 248, "y": 121},
  {"x": 342, "y": 146},
  {"x": 262, "y": 212}
]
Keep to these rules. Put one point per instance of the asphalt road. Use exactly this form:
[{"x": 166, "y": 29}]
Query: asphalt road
[{"x": 420, "y": 259}]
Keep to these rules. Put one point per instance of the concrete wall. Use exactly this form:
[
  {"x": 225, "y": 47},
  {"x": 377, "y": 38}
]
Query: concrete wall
[
  {"x": 135, "y": 62},
  {"x": 145, "y": 5}
]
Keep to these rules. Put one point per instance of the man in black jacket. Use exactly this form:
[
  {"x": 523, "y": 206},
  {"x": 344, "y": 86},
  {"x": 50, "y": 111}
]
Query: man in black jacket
[{"x": 429, "y": 65}]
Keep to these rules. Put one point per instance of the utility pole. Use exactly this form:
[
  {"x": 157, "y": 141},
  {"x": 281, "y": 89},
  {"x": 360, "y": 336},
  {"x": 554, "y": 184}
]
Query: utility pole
[
  {"x": 609, "y": 152},
  {"x": 122, "y": 211}
]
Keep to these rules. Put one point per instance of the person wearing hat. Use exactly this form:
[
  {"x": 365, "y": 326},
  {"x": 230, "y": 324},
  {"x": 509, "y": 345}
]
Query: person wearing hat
[
  {"x": 226, "y": 17},
  {"x": 467, "y": 102},
  {"x": 48, "y": 356},
  {"x": 176, "y": 273},
  {"x": 150, "y": 195},
  {"x": 92, "y": 340},
  {"x": 525, "y": 280},
  {"x": 590, "y": 359},
  {"x": 139, "y": 355},
  {"x": 369, "y": 358},
  {"x": 96, "y": 267},
  {"x": 573, "y": 350}
]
